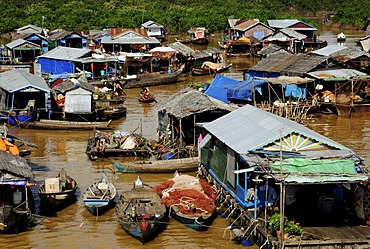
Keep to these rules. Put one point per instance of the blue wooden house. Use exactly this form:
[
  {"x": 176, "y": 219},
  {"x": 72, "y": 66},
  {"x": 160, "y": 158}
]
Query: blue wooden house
[
  {"x": 255, "y": 155},
  {"x": 64, "y": 38},
  {"x": 62, "y": 60}
]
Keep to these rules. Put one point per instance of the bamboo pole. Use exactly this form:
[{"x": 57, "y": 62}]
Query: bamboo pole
[{"x": 281, "y": 195}]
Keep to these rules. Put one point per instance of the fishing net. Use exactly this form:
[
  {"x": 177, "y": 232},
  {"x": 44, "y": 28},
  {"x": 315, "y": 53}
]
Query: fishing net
[{"x": 188, "y": 193}]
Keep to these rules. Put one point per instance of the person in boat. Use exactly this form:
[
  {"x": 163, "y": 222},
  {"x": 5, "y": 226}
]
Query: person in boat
[
  {"x": 145, "y": 93},
  {"x": 117, "y": 87}
]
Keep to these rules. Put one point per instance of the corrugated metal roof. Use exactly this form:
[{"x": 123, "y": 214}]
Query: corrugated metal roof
[
  {"x": 337, "y": 73},
  {"x": 66, "y": 53},
  {"x": 15, "y": 165},
  {"x": 149, "y": 24},
  {"x": 297, "y": 64},
  {"x": 16, "y": 79},
  {"x": 247, "y": 24},
  {"x": 249, "y": 128},
  {"x": 349, "y": 54},
  {"x": 328, "y": 50},
  {"x": 287, "y": 23},
  {"x": 181, "y": 48},
  {"x": 286, "y": 33},
  {"x": 58, "y": 34},
  {"x": 20, "y": 42},
  {"x": 129, "y": 37}
]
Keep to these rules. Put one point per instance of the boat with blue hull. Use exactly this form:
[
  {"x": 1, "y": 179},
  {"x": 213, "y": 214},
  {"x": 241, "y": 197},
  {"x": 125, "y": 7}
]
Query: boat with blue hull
[{"x": 99, "y": 197}]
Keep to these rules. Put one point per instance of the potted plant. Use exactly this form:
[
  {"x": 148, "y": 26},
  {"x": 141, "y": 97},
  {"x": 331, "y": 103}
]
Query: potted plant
[
  {"x": 293, "y": 228},
  {"x": 274, "y": 221},
  {"x": 96, "y": 95}
]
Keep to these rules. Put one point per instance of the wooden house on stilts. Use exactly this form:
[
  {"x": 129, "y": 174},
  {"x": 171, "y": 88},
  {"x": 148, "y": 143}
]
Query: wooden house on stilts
[
  {"x": 263, "y": 164},
  {"x": 179, "y": 113}
]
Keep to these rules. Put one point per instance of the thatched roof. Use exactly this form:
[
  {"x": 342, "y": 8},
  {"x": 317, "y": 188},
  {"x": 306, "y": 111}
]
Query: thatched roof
[
  {"x": 189, "y": 101},
  {"x": 14, "y": 165}
]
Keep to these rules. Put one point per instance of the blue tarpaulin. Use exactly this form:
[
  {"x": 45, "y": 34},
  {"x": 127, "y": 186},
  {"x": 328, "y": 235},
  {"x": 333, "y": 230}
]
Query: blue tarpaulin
[
  {"x": 56, "y": 66},
  {"x": 226, "y": 89},
  {"x": 219, "y": 86},
  {"x": 292, "y": 90},
  {"x": 244, "y": 90}
]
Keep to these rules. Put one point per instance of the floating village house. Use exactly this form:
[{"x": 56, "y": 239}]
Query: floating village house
[
  {"x": 301, "y": 27},
  {"x": 346, "y": 57},
  {"x": 178, "y": 114},
  {"x": 128, "y": 40},
  {"x": 28, "y": 30},
  {"x": 190, "y": 57},
  {"x": 23, "y": 51},
  {"x": 22, "y": 90},
  {"x": 254, "y": 155},
  {"x": 64, "y": 38},
  {"x": 95, "y": 37},
  {"x": 154, "y": 29},
  {"x": 73, "y": 99},
  {"x": 288, "y": 39},
  {"x": 292, "y": 65}
]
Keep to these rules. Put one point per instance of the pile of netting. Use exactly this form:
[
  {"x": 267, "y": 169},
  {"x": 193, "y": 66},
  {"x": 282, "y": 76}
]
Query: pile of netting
[{"x": 188, "y": 193}]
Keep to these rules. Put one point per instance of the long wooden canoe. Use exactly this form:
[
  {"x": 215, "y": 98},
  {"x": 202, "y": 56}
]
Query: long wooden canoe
[
  {"x": 66, "y": 125},
  {"x": 153, "y": 79},
  {"x": 159, "y": 166}
]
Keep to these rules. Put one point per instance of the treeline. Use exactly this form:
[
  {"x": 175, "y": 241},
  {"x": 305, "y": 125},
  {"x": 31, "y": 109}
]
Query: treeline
[{"x": 174, "y": 15}]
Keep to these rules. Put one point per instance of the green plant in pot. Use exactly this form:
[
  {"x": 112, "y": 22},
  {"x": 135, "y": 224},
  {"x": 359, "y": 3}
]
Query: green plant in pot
[
  {"x": 293, "y": 228},
  {"x": 274, "y": 222}
]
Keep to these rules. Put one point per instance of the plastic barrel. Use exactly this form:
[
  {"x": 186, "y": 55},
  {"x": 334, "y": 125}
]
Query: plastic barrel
[{"x": 168, "y": 156}]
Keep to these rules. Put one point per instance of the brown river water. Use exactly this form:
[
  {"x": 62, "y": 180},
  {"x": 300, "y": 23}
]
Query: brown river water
[{"x": 75, "y": 227}]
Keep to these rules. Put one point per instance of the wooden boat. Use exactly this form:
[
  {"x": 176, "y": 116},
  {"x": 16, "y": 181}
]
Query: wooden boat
[
  {"x": 141, "y": 213},
  {"x": 190, "y": 201},
  {"x": 57, "y": 193},
  {"x": 210, "y": 68},
  {"x": 153, "y": 79},
  {"x": 183, "y": 41},
  {"x": 117, "y": 143},
  {"x": 160, "y": 166},
  {"x": 99, "y": 197},
  {"x": 16, "y": 206},
  {"x": 112, "y": 113},
  {"x": 198, "y": 35},
  {"x": 66, "y": 125},
  {"x": 146, "y": 96},
  {"x": 341, "y": 37}
]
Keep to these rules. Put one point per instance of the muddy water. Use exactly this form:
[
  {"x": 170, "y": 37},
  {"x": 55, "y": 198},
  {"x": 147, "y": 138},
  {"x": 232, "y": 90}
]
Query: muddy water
[{"x": 75, "y": 227}]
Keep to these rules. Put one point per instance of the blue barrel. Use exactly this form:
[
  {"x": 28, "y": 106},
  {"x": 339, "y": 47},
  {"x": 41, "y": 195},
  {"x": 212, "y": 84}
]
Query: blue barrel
[
  {"x": 168, "y": 156},
  {"x": 247, "y": 242}
]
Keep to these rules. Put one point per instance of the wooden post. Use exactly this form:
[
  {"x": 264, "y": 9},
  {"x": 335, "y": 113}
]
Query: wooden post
[
  {"x": 281, "y": 195},
  {"x": 195, "y": 139},
  {"x": 173, "y": 129},
  {"x": 180, "y": 133}
]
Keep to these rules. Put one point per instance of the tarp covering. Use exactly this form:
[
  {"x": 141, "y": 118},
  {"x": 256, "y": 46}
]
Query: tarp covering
[
  {"x": 56, "y": 66},
  {"x": 313, "y": 171},
  {"x": 244, "y": 90},
  {"x": 219, "y": 86}
]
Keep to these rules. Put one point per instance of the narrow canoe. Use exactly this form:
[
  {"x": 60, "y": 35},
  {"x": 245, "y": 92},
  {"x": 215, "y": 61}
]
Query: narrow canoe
[
  {"x": 66, "y": 125},
  {"x": 159, "y": 166}
]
